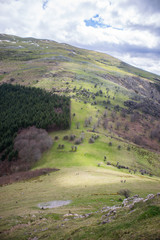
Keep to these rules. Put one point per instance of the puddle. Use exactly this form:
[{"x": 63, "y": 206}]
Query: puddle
[{"x": 54, "y": 204}]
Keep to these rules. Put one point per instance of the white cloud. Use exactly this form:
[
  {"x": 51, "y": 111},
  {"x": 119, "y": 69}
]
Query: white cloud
[
  {"x": 63, "y": 21},
  {"x": 148, "y": 64}
]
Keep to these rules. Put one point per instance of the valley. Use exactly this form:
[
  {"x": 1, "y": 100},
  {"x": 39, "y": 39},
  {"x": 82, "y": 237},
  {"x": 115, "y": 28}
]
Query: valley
[{"x": 112, "y": 144}]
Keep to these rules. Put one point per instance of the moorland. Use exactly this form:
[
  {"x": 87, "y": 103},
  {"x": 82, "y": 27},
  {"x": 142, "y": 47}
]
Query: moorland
[{"x": 92, "y": 118}]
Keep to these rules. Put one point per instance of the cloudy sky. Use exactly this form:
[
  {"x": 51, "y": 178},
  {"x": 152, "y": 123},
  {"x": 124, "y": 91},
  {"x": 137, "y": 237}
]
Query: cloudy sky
[{"x": 126, "y": 29}]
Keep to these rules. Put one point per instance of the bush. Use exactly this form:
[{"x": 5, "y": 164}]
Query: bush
[
  {"x": 65, "y": 137},
  {"x": 91, "y": 140},
  {"x": 128, "y": 148},
  {"x": 56, "y": 138},
  {"x": 78, "y": 141},
  {"x": 124, "y": 192},
  {"x": 119, "y": 147},
  {"x": 95, "y": 136},
  {"x": 72, "y": 137}
]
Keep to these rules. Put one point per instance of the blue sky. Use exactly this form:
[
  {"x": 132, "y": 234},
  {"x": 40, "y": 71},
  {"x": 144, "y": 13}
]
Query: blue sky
[
  {"x": 126, "y": 29},
  {"x": 44, "y": 4},
  {"x": 96, "y": 22}
]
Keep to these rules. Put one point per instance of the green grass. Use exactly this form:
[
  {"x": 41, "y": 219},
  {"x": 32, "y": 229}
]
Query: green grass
[{"x": 80, "y": 179}]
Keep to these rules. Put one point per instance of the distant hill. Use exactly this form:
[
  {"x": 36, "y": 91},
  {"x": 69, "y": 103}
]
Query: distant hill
[
  {"x": 87, "y": 76},
  {"x": 106, "y": 145}
]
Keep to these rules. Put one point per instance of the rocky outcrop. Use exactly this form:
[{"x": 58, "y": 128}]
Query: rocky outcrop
[{"x": 110, "y": 213}]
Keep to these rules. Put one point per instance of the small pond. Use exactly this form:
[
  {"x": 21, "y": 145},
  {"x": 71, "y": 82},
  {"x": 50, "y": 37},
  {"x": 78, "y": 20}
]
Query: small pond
[{"x": 54, "y": 204}]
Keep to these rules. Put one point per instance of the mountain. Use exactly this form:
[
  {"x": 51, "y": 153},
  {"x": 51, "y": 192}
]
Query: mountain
[{"x": 110, "y": 149}]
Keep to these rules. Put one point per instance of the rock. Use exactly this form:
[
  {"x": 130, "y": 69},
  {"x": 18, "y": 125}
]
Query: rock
[
  {"x": 150, "y": 196},
  {"x": 131, "y": 206},
  {"x": 105, "y": 210},
  {"x": 105, "y": 221},
  {"x": 136, "y": 196},
  {"x": 125, "y": 202},
  {"x": 76, "y": 215},
  {"x": 132, "y": 211},
  {"x": 158, "y": 194},
  {"x": 35, "y": 238},
  {"x": 138, "y": 200},
  {"x": 68, "y": 215},
  {"x": 66, "y": 219}
]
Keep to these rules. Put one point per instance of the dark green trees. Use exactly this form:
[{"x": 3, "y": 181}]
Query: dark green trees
[{"x": 21, "y": 107}]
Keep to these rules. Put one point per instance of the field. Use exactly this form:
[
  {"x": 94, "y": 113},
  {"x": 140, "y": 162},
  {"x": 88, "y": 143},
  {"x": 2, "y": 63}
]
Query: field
[{"x": 106, "y": 159}]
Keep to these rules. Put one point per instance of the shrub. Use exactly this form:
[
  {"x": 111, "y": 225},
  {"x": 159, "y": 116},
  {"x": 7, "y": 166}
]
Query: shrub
[
  {"x": 77, "y": 125},
  {"x": 137, "y": 139},
  {"x": 56, "y": 138},
  {"x": 124, "y": 192},
  {"x": 118, "y": 124},
  {"x": 126, "y": 127},
  {"x": 91, "y": 140},
  {"x": 95, "y": 136},
  {"x": 78, "y": 141},
  {"x": 119, "y": 147},
  {"x": 72, "y": 137},
  {"x": 65, "y": 137}
]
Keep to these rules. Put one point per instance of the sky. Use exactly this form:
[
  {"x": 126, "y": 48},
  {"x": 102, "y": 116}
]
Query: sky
[{"x": 126, "y": 29}]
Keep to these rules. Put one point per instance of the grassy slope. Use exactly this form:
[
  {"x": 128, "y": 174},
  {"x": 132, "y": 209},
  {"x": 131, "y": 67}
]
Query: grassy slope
[{"x": 80, "y": 179}]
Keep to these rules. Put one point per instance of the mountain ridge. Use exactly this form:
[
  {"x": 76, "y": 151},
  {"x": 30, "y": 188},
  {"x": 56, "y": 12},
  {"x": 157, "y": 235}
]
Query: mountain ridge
[{"x": 108, "y": 152}]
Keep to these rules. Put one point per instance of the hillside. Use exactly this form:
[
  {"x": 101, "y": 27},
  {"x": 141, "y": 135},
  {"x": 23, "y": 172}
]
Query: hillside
[
  {"x": 112, "y": 143},
  {"x": 22, "y": 107}
]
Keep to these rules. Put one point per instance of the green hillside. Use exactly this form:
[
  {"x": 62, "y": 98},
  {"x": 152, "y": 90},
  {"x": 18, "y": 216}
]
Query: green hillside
[{"x": 112, "y": 144}]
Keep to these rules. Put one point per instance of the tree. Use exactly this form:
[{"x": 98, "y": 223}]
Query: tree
[{"x": 77, "y": 125}]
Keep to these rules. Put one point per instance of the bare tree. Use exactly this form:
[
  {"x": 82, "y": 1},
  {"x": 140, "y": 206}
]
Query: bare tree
[
  {"x": 118, "y": 124},
  {"x": 77, "y": 125}
]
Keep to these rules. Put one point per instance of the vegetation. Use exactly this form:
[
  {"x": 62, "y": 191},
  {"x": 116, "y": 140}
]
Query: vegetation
[
  {"x": 113, "y": 105},
  {"x": 21, "y": 107}
]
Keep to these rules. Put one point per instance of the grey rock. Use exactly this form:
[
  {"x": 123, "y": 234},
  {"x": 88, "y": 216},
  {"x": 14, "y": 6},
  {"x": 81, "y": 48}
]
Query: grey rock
[
  {"x": 138, "y": 200},
  {"x": 150, "y": 196},
  {"x": 136, "y": 196},
  {"x": 131, "y": 206}
]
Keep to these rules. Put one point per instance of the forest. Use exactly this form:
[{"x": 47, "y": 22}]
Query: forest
[{"x": 21, "y": 107}]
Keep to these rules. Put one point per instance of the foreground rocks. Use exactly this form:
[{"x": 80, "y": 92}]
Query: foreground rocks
[{"x": 110, "y": 213}]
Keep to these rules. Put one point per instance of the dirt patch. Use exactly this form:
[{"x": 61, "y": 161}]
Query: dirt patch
[
  {"x": 54, "y": 204},
  {"x": 25, "y": 175}
]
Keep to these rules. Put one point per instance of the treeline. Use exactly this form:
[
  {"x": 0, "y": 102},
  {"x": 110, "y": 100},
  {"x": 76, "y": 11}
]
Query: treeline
[{"x": 21, "y": 107}]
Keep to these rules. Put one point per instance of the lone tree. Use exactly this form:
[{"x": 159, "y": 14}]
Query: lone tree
[
  {"x": 125, "y": 192},
  {"x": 77, "y": 125}
]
